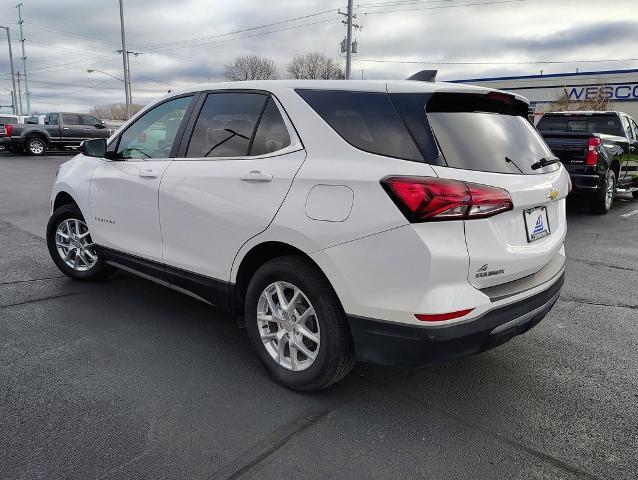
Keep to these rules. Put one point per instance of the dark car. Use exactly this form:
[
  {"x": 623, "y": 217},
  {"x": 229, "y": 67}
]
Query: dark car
[
  {"x": 598, "y": 149},
  {"x": 60, "y": 131}
]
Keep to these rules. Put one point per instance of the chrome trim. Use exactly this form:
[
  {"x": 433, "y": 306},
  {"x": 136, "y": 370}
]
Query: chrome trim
[
  {"x": 549, "y": 272},
  {"x": 526, "y": 317}
]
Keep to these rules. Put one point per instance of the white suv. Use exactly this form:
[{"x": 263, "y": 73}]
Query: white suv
[{"x": 397, "y": 222}]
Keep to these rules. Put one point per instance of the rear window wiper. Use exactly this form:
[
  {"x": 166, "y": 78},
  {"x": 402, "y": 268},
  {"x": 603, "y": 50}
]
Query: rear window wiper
[{"x": 543, "y": 162}]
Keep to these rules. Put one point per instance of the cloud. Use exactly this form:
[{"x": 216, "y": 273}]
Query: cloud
[{"x": 67, "y": 37}]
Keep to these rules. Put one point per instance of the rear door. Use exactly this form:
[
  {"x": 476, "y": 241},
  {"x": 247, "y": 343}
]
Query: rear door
[
  {"x": 233, "y": 175},
  {"x": 489, "y": 141},
  {"x": 72, "y": 131}
]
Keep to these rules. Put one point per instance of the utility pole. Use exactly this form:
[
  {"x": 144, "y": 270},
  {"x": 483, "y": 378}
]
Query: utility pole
[
  {"x": 349, "y": 26},
  {"x": 127, "y": 77},
  {"x": 27, "y": 94},
  {"x": 13, "y": 75},
  {"x": 19, "y": 94}
]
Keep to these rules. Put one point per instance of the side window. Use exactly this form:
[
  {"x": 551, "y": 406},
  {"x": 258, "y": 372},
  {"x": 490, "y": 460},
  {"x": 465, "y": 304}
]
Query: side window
[
  {"x": 54, "y": 119},
  {"x": 272, "y": 134},
  {"x": 71, "y": 119},
  {"x": 88, "y": 120},
  {"x": 153, "y": 134},
  {"x": 226, "y": 125},
  {"x": 634, "y": 126},
  {"x": 366, "y": 120}
]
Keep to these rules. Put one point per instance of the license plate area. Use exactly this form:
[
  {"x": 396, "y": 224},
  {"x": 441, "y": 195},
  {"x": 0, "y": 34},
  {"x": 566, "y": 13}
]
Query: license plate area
[{"x": 536, "y": 223}]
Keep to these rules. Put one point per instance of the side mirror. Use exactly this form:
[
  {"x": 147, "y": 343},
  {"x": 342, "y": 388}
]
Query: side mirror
[
  {"x": 100, "y": 125},
  {"x": 94, "y": 148}
]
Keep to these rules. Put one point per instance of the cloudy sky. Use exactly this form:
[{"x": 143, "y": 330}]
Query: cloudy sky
[{"x": 186, "y": 42}]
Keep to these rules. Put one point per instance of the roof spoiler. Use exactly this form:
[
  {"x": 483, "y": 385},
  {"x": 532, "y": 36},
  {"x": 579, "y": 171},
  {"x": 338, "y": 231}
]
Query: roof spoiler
[{"x": 424, "y": 76}]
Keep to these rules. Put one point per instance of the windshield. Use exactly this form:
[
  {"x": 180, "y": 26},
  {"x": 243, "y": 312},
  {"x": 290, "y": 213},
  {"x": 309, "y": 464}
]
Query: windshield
[
  {"x": 489, "y": 142},
  {"x": 607, "y": 124}
]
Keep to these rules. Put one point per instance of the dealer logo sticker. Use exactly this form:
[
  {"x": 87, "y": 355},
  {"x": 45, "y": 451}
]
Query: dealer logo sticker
[{"x": 484, "y": 272}]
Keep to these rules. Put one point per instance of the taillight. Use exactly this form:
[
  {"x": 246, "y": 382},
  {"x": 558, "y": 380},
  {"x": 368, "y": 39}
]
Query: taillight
[
  {"x": 8, "y": 129},
  {"x": 441, "y": 317},
  {"x": 592, "y": 151},
  {"x": 424, "y": 199}
]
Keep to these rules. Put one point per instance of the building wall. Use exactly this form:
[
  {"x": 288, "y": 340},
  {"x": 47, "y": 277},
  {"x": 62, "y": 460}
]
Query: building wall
[{"x": 619, "y": 86}]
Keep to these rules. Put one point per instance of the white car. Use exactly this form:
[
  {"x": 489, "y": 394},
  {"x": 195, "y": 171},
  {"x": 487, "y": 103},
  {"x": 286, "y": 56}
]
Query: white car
[{"x": 397, "y": 222}]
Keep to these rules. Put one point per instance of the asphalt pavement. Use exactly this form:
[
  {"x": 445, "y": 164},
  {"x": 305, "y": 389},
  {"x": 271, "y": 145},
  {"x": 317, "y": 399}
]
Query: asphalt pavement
[{"x": 127, "y": 379}]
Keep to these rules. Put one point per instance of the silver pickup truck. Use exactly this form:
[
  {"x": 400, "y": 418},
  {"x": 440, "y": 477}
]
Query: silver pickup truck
[{"x": 60, "y": 131}]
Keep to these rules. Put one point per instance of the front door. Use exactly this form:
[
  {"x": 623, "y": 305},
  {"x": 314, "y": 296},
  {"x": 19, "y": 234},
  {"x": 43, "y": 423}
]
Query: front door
[
  {"x": 124, "y": 188},
  {"x": 226, "y": 188}
]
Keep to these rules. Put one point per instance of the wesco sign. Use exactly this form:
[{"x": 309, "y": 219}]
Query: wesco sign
[{"x": 615, "y": 92}]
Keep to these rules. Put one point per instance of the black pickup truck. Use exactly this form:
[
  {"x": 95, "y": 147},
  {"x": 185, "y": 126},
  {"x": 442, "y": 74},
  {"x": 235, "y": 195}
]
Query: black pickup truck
[
  {"x": 60, "y": 131},
  {"x": 598, "y": 149}
]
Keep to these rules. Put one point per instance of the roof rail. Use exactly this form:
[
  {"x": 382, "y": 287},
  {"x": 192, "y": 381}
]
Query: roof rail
[{"x": 424, "y": 76}]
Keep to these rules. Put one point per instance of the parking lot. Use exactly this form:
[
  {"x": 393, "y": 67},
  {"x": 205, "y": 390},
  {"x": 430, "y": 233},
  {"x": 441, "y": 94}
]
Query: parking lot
[{"x": 127, "y": 379}]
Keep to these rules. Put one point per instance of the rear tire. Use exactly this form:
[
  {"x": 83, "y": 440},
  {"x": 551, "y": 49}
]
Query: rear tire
[
  {"x": 603, "y": 199},
  {"x": 36, "y": 146},
  {"x": 314, "y": 323},
  {"x": 71, "y": 248}
]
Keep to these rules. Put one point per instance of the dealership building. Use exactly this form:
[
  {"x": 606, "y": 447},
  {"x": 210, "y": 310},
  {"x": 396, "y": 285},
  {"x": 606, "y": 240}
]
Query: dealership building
[{"x": 619, "y": 86}]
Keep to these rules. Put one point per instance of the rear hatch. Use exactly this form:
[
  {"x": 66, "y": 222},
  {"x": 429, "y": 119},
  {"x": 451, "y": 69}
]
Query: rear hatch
[{"x": 486, "y": 139}]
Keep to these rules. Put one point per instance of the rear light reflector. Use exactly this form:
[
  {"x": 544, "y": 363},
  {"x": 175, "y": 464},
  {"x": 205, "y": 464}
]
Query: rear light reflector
[
  {"x": 441, "y": 317},
  {"x": 8, "y": 129},
  {"x": 424, "y": 199},
  {"x": 592, "y": 151}
]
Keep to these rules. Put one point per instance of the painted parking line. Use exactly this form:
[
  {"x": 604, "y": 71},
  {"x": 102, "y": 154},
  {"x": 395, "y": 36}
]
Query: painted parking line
[{"x": 627, "y": 215}]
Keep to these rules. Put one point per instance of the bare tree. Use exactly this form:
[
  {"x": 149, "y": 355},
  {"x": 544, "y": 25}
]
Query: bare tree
[
  {"x": 314, "y": 65},
  {"x": 598, "y": 100},
  {"x": 113, "y": 111},
  {"x": 251, "y": 67}
]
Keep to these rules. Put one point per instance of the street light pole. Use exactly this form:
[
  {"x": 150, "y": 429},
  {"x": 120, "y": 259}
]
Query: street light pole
[
  {"x": 127, "y": 85},
  {"x": 13, "y": 75},
  {"x": 91, "y": 70}
]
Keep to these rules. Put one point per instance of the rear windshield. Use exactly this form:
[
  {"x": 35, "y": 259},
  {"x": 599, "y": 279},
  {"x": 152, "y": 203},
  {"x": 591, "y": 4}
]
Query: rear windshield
[
  {"x": 366, "y": 120},
  {"x": 475, "y": 132},
  {"x": 8, "y": 121},
  {"x": 608, "y": 124}
]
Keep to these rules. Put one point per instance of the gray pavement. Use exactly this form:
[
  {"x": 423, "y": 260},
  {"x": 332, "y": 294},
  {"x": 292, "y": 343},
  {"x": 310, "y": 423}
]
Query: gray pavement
[{"x": 126, "y": 379}]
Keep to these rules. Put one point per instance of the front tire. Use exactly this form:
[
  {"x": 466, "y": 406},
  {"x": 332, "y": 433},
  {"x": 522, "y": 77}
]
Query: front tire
[
  {"x": 71, "y": 248},
  {"x": 635, "y": 194},
  {"x": 36, "y": 146},
  {"x": 602, "y": 200},
  {"x": 297, "y": 325}
]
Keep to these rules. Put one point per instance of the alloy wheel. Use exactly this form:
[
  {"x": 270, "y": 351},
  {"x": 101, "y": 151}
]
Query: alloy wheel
[
  {"x": 288, "y": 326},
  {"x": 36, "y": 147},
  {"x": 74, "y": 245}
]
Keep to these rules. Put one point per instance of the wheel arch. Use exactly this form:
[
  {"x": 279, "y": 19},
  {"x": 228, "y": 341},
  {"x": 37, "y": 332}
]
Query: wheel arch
[
  {"x": 33, "y": 134},
  {"x": 63, "y": 198},
  {"x": 254, "y": 258},
  {"x": 615, "y": 167}
]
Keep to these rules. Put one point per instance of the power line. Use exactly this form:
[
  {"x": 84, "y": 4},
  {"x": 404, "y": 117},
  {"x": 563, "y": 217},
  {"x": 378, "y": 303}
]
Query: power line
[
  {"x": 531, "y": 62},
  {"x": 245, "y": 36},
  {"x": 445, "y": 6},
  {"x": 244, "y": 30}
]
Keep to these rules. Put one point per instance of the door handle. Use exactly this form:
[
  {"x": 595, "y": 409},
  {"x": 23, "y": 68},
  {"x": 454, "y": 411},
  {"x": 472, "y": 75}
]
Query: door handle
[
  {"x": 65, "y": 128},
  {"x": 148, "y": 174},
  {"x": 256, "y": 176}
]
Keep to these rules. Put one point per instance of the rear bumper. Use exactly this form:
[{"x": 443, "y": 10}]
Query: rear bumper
[
  {"x": 585, "y": 183},
  {"x": 402, "y": 345}
]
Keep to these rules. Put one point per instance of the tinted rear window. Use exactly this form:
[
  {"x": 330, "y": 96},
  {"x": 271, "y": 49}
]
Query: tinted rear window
[
  {"x": 486, "y": 135},
  {"x": 608, "y": 124},
  {"x": 366, "y": 120}
]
